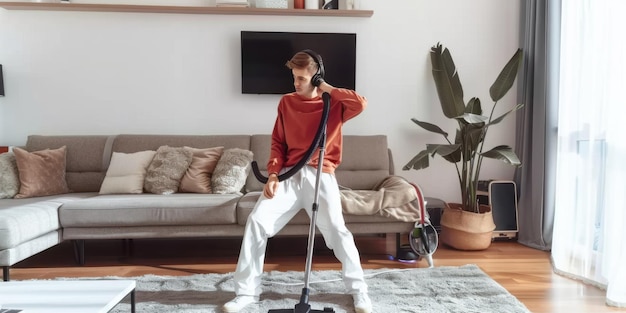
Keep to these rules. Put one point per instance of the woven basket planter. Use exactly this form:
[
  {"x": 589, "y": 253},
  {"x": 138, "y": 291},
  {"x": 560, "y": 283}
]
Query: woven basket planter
[{"x": 465, "y": 230}]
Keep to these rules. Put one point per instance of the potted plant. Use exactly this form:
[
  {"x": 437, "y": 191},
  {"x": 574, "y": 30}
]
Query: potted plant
[{"x": 466, "y": 225}]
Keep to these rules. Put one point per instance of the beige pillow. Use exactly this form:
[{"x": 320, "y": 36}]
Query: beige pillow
[
  {"x": 166, "y": 170},
  {"x": 42, "y": 173},
  {"x": 198, "y": 176},
  {"x": 231, "y": 171},
  {"x": 126, "y": 172},
  {"x": 9, "y": 176}
]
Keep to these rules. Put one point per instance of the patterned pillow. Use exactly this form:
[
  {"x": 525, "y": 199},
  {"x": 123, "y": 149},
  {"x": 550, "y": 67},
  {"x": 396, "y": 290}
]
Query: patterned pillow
[
  {"x": 9, "y": 176},
  {"x": 42, "y": 173},
  {"x": 198, "y": 176},
  {"x": 126, "y": 172},
  {"x": 166, "y": 170},
  {"x": 231, "y": 171}
]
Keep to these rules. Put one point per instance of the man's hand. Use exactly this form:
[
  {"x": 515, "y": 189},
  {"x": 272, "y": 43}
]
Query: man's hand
[
  {"x": 326, "y": 87},
  {"x": 271, "y": 186}
]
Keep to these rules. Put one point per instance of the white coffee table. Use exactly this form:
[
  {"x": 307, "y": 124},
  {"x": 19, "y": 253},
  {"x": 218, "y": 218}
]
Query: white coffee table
[{"x": 66, "y": 296}]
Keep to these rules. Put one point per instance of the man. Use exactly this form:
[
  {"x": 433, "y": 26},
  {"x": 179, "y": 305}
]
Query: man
[{"x": 299, "y": 115}]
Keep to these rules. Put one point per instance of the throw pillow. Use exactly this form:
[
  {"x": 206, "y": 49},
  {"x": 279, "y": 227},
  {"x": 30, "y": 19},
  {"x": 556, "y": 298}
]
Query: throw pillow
[
  {"x": 198, "y": 176},
  {"x": 231, "y": 171},
  {"x": 42, "y": 173},
  {"x": 126, "y": 172},
  {"x": 166, "y": 170},
  {"x": 9, "y": 176}
]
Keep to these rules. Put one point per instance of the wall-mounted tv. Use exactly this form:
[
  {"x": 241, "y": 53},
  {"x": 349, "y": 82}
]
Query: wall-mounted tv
[{"x": 264, "y": 54}]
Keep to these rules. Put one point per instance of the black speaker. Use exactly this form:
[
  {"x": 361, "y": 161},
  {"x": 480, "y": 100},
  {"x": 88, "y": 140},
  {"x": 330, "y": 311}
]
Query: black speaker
[
  {"x": 1, "y": 82},
  {"x": 503, "y": 202}
]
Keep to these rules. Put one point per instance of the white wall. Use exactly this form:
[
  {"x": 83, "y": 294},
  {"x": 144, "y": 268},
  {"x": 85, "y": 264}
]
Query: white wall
[{"x": 111, "y": 73}]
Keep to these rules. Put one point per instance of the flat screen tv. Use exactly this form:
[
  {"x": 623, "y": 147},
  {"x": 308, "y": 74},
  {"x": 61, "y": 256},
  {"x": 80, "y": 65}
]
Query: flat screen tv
[{"x": 264, "y": 54}]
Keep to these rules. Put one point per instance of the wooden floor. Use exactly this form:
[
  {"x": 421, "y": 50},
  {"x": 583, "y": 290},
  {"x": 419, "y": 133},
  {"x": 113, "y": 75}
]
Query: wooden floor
[{"x": 524, "y": 272}]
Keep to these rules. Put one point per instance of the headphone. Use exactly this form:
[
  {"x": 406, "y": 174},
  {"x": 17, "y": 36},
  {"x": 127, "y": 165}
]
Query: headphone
[{"x": 318, "y": 77}]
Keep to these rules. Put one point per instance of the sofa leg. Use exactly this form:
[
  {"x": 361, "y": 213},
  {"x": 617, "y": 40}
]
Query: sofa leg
[
  {"x": 79, "y": 251},
  {"x": 5, "y": 273},
  {"x": 390, "y": 244},
  {"x": 128, "y": 247}
]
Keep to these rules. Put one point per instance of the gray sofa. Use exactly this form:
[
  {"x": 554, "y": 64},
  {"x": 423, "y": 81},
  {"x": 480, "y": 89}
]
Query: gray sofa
[{"x": 29, "y": 226}]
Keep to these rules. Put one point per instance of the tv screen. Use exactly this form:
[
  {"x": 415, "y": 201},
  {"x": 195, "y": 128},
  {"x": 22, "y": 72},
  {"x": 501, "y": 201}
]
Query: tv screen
[{"x": 264, "y": 54}]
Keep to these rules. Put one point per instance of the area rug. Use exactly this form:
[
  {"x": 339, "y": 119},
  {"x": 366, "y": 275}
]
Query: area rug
[{"x": 464, "y": 289}]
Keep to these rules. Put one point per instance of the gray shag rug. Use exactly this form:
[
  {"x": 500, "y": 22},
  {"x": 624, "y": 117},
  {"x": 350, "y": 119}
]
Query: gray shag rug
[{"x": 464, "y": 289}]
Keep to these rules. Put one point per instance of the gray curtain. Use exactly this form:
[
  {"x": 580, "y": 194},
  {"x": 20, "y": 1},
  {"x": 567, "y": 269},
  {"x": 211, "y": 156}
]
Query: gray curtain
[{"x": 536, "y": 124}]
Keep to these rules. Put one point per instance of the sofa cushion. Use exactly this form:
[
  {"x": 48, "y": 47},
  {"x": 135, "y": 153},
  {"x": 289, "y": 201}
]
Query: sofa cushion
[
  {"x": 9, "y": 176},
  {"x": 134, "y": 143},
  {"x": 10, "y": 256},
  {"x": 365, "y": 162},
  {"x": 197, "y": 179},
  {"x": 150, "y": 210},
  {"x": 87, "y": 158},
  {"x": 166, "y": 170},
  {"x": 42, "y": 173},
  {"x": 231, "y": 171},
  {"x": 22, "y": 220},
  {"x": 127, "y": 172}
]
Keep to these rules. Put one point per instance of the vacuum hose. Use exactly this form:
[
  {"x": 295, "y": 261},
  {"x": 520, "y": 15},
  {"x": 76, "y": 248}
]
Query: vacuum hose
[{"x": 309, "y": 152}]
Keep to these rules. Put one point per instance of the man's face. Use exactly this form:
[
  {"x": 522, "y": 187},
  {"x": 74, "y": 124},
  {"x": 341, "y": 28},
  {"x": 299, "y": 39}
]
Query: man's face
[{"x": 302, "y": 81}]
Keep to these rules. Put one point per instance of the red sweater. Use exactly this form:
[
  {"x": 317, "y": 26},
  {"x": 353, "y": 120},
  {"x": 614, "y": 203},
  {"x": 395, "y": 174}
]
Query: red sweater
[{"x": 297, "y": 122}]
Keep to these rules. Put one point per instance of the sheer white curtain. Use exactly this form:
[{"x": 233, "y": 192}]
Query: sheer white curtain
[{"x": 589, "y": 240}]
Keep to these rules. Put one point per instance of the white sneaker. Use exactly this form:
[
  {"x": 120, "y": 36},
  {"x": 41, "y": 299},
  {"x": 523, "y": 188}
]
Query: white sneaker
[
  {"x": 237, "y": 304},
  {"x": 362, "y": 303}
]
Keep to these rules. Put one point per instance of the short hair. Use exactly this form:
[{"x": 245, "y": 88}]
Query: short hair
[{"x": 302, "y": 60}]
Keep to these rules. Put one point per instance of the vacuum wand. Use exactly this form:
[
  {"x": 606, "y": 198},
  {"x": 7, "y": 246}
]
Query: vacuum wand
[{"x": 309, "y": 257}]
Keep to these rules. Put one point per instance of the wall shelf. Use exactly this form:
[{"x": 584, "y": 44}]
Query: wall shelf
[{"x": 56, "y": 6}]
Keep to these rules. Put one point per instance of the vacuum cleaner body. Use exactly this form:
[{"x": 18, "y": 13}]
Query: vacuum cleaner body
[{"x": 423, "y": 239}]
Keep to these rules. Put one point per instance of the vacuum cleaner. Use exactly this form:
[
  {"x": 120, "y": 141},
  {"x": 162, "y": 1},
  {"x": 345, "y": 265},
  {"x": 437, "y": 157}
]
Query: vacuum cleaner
[
  {"x": 423, "y": 239},
  {"x": 319, "y": 142}
]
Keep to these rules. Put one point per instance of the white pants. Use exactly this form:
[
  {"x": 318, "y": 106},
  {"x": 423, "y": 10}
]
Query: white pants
[{"x": 271, "y": 215}]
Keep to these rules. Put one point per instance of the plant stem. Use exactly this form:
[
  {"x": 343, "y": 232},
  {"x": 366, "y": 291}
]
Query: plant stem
[
  {"x": 480, "y": 157},
  {"x": 467, "y": 167},
  {"x": 458, "y": 173}
]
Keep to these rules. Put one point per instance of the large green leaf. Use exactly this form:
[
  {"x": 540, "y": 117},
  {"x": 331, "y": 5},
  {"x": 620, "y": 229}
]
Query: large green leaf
[
  {"x": 503, "y": 153},
  {"x": 501, "y": 117},
  {"x": 506, "y": 78},
  {"x": 473, "y": 106},
  {"x": 430, "y": 127},
  {"x": 455, "y": 156},
  {"x": 447, "y": 81},
  {"x": 473, "y": 118},
  {"x": 418, "y": 162},
  {"x": 475, "y": 135},
  {"x": 421, "y": 160},
  {"x": 442, "y": 150},
  {"x": 450, "y": 153}
]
